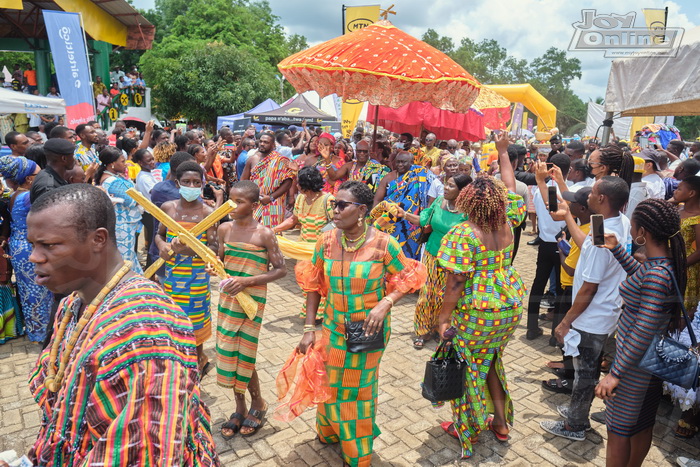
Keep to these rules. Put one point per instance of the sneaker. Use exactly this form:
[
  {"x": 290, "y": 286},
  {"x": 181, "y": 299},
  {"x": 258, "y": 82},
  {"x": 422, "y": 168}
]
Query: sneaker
[
  {"x": 558, "y": 428},
  {"x": 563, "y": 411},
  {"x": 686, "y": 462},
  {"x": 547, "y": 301}
]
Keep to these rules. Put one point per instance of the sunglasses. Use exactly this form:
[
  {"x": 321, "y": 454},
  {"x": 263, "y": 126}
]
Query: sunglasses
[
  {"x": 361, "y": 150},
  {"x": 341, "y": 205}
]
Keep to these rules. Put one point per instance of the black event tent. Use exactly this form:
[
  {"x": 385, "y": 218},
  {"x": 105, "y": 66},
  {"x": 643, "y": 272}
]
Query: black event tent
[{"x": 296, "y": 111}]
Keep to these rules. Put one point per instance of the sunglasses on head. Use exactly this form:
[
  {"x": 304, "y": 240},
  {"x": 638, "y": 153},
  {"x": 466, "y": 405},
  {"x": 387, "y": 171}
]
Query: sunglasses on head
[{"x": 341, "y": 205}]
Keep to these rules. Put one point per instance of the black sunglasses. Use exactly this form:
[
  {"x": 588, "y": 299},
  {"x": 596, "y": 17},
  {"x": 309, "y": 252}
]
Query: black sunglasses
[
  {"x": 361, "y": 150},
  {"x": 341, "y": 205}
]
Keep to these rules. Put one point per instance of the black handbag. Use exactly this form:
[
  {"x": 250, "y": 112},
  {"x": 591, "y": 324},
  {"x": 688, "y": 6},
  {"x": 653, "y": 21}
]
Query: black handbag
[
  {"x": 445, "y": 374},
  {"x": 357, "y": 341},
  {"x": 427, "y": 230},
  {"x": 670, "y": 360}
]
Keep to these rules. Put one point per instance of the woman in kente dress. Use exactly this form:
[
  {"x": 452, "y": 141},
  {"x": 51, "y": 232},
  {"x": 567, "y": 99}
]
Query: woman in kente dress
[
  {"x": 483, "y": 301},
  {"x": 363, "y": 272}
]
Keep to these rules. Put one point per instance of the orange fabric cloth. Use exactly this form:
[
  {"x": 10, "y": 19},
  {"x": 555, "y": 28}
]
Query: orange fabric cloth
[
  {"x": 30, "y": 77},
  {"x": 217, "y": 170},
  {"x": 311, "y": 382}
]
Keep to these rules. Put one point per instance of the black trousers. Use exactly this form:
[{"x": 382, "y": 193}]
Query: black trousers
[
  {"x": 547, "y": 259},
  {"x": 517, "y": 232}
]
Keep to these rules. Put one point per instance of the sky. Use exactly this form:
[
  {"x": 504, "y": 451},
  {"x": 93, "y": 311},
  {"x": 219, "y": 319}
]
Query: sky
[{"x": 526, "y": 28}]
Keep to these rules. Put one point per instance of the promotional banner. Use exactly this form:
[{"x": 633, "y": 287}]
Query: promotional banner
[
  {"x": 355, "y": 17},
  {"x": 72, "y": 69},
  {"x": 516, "y": 121}
]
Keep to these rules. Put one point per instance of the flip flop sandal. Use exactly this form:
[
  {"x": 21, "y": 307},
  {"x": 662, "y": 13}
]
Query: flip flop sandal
[
  {"x": 450, "y": 429},
  {"x": 418, "y": 343},
  {"x": 499, "y": 436},
  {"x": 231, "y": 425},
  {"x": 561, "y": 386},
  {"x": 249, "y": 423},
  {"x": 563, "y": 373},
  {"x": 690, "y": 430},
  {"x": 206, "y": 369}
]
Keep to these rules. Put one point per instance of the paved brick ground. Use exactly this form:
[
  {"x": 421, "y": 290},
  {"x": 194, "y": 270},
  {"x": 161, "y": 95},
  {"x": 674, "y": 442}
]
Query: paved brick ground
[{"x": 411, "y": 434}]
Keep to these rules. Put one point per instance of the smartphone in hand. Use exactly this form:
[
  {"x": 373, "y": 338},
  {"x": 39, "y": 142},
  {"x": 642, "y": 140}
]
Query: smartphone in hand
[
  {"x": 598, "y": 229},
  {"x": 553, "y": 201}
]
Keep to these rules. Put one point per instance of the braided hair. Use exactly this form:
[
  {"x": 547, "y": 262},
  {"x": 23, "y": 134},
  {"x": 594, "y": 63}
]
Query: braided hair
[
  {"x": 661, "y": 219},
  {"x": 618, "y": 161},
  {"x": 484, "y": 202}
]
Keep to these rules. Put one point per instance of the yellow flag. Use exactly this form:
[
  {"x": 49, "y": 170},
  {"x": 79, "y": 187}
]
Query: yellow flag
[
  {"x": 656, "y": 22},
  {"x": 525, "y": 117},
  {"x": 356, "y": 17},
  {"x": 12, "y": 4}
]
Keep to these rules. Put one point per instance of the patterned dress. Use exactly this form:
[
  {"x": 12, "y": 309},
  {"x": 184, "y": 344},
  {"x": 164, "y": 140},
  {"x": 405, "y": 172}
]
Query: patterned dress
[
  {"x": 312, "y": 219},
  {"x": 354, "y": 283},
  {"x": 85, "y": 156},
  {"x": 486, "y": 317},
  {"x": 269, "y": 174},
  {"x": 647, "y": 294},
  {"x": 131, "y": 391},
  {"x": 187, "y": 282},
  {"x": 35, "y": 300},
  {"x": 431, "y": 294},
  {"x": 410, "y": 191},
  {"x": 370, "y": 174},
  {"x": 236, "y": 334},
  {"x": 692, "y": 290},
  {"x": 128, "y": 219}
]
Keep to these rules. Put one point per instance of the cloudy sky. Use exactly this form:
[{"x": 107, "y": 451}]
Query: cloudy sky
[{"x": 526, "y": 28}]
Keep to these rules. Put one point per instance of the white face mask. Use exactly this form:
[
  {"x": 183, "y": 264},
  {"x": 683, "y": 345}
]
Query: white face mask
[{"x": 190, "y": 193}]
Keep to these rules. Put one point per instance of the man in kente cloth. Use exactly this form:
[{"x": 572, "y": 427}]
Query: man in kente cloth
[
  {"x": 252, "y": 258},
  {"x": 118, "y": 383},
  {"x": 271, "y": 173}
]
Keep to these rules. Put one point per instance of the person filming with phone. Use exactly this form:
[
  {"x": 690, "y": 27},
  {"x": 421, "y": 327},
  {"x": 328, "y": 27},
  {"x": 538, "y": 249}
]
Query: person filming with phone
[{"x": 596, "y": 302}]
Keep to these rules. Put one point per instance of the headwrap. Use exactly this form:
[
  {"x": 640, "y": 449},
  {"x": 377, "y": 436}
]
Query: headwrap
[
  {"x": 16, "y": 168},
  {"x": 329, "y": 137}
]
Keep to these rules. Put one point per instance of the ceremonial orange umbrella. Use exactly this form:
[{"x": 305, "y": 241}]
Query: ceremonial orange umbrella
[{"x": 382, "y": 65}]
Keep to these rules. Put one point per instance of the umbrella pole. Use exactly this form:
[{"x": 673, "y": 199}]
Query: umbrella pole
[{"x": 376, "y": 117}]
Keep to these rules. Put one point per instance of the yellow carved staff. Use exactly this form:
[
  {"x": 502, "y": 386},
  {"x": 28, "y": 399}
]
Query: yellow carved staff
[{"x": 186, "y": 237}]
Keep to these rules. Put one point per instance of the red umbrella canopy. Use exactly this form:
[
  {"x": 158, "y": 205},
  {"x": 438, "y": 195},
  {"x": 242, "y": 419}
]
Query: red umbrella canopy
[{"x": 382, "y": 65}]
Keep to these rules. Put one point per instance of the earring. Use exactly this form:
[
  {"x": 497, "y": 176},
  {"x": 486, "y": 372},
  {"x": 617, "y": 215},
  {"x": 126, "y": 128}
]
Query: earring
[
  {"x": 359, "y": 221},
  {"x": 638, "y": 243}
]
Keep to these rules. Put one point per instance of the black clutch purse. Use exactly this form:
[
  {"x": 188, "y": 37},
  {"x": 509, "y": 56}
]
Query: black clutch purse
[
  {"x": 445, "y": 375},
  {"x": 356, "y": 340}
]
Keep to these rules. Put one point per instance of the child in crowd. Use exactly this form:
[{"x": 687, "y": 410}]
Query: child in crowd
[
  {"x": 252, "y": 258},
  {"x": 186, "y": 280}
]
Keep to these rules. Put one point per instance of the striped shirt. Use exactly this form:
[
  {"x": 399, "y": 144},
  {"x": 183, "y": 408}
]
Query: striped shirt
[{"x": 130, "y": 396}]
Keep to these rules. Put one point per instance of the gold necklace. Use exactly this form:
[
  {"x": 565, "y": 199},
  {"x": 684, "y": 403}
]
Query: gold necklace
[
  {"x": 54, "y": 378},
  {"x": 359, "y": 241}
]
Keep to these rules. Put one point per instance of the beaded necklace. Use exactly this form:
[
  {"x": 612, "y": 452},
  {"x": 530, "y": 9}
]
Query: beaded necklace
[
  {"x": 359, "y": 241},
  {"x": 54, "y": 378}
]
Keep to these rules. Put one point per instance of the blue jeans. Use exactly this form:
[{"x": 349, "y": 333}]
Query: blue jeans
[{"x": 587, "y": 367}]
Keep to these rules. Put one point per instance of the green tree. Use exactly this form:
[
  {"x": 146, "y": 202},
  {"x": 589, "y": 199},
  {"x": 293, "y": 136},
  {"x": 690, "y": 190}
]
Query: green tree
[
  {"x": 10, "y": 59},
  {"x": 199, "y": 86},
  {"x": 444, "y": 44},
  {"x": 689, "y": 127}
]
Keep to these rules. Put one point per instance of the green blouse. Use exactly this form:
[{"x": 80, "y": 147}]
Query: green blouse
[{"x": 441, "y": 220}]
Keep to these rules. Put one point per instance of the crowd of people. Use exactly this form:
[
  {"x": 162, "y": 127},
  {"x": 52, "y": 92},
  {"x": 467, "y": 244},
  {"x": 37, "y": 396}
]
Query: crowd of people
[{"x": 387, "y": 216}]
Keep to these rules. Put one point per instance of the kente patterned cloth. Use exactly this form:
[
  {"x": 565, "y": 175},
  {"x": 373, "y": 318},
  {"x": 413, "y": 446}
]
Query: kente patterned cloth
[
  {"x": 370, "y": 174},
  {"x": 236, "y": 334},
  {"x": 131, "y": 391},
  {"x": 410, "y": 191},
  {"x": 692, "y": 290},
  {"x": 187, "y": 282},
  {"x": 269, "y": 174},
  {"x": 35, "y": 300},
  {"x": 128, "y": 219},
  {"x": 382, "y": 65},
  {"x": 10, "y": 320},
  {"x": 353, "y": 284},
  {"x": 85, "y": 156},
  {"x": 486, "y": 317}
]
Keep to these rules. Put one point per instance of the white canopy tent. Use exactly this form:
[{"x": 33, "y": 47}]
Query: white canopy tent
[
  {"x": 12, "y": 102},
  {"x": 596, "y": 115},
  {"x": 648, "y": 86}
]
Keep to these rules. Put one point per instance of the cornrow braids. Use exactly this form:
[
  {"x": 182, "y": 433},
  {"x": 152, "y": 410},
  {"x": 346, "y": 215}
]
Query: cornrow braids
[
  {"x": 618, "y": 162},
  {"x": 661, "y": 219},
  {"x": 484, "y": 202}
]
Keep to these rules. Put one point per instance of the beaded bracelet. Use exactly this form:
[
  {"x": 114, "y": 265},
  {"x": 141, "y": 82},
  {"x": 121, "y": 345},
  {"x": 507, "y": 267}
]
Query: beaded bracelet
[{"x": 309, "y": 328}]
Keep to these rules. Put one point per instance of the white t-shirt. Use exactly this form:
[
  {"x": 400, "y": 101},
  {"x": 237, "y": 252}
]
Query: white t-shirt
[
  {"x": 548, "y": 227},
  {"x": 638, "y": 193},
  {"x": 582, "y": 184},
  {"x": 598, "y": 266},
  {"x": 655, "y": 186},
  {"x": 436, "y": 189}
]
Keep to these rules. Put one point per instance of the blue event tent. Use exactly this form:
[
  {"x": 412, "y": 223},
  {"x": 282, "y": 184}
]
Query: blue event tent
[{"x": 227, "y": 120}]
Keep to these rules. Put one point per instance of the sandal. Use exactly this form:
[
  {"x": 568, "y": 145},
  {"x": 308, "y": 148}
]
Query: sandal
[
  {"x": 205, "y": 370},
  {"x": 558, "y": 385},
  {"x": 250, "y": 423},
  {"x": 555, "y": 365},
  {"x": 232, "y": 425},
  {"x": 450, "y": 429},
  {"x": 418, "y": 343},
  {"x": 499, "y": 436},
  {"x": 685, "y": 430}
]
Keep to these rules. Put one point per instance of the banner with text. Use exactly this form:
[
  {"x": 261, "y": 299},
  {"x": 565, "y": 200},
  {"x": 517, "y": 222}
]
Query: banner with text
[
  {"x": 72, "y": 69},
  {"x": 356, "y": 17}
]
